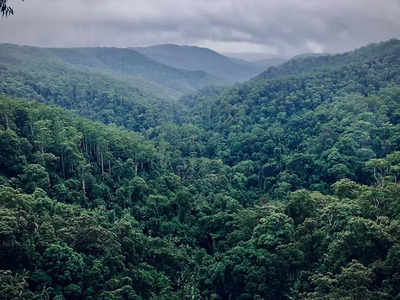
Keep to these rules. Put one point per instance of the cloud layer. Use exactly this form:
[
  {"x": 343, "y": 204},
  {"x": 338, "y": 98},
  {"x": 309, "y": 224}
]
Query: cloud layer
[{"x": 284, "y": 27}]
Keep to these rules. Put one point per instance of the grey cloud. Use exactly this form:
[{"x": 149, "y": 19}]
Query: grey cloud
[{"x": 285, "y": 27}]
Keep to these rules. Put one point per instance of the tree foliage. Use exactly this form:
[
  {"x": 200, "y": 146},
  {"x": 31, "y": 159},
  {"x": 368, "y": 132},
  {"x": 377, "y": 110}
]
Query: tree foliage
[{"x": 285, "y": 187}]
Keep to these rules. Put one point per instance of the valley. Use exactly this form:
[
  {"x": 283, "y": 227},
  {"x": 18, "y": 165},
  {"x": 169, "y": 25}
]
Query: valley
[{"x": 176, "y": 172}]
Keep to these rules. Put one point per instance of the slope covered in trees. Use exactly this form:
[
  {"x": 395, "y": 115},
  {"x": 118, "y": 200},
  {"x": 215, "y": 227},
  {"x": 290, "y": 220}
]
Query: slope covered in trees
[
  {"x": 29, "y": 73},
  {"x": 380, "y": 53},
  {"x": 121, "y": 64},
  {"x": 280, "y": 188},
  {"x": 93, "y": 212},
  {"x": 306, "y": 131}
]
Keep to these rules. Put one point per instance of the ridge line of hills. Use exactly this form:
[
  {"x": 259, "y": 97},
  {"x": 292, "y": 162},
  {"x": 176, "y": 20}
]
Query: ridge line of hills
[
  {"x": 114, "y": 62},
  {"x": 198, "y": 58}
]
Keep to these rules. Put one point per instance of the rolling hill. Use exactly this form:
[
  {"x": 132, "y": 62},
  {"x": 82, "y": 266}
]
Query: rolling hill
[
  {"x": 379, "y": 53},
  {"x": 141, "y": 71}
]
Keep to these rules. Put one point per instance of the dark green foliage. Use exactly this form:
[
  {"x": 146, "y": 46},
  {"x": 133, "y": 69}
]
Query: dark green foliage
[
  {"x": 35, "y": 73},
  {"x": 374, "y": 54},
  {"x": 283, "y": 188},
  {"x": 308, "y": 130}
]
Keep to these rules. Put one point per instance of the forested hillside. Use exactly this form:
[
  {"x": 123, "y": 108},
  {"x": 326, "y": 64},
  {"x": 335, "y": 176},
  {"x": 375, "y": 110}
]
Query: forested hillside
[
  {"x": 379, "y": 53},
  {"x": 125, "y": 66},
  {"x": 285, "y": 187},
  {"x": 28, "y": 74},
  {"x": 309, "y": 130}
]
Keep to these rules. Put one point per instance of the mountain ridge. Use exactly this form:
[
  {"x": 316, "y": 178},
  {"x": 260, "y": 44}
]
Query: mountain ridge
[
  {"x": 200, "y": 58},
  {"x": 118, "y": 61},
  {"x": 319, "y": 62}
]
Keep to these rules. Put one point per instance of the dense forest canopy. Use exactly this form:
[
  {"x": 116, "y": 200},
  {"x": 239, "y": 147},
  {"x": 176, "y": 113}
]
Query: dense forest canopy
[{"x": 283, "y": 187}]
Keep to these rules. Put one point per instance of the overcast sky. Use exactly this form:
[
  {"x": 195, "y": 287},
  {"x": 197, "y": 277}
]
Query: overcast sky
[{"x": 281, "y": 27}]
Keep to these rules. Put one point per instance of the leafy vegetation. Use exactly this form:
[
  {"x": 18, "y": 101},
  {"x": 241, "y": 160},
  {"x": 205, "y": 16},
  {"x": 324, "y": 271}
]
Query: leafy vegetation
[
  {"x": 375, "y": 54},
  {"x": 285, "y": 187},
  {"x": 309, "y": 130},
  {"x": 28, "y": 73}
]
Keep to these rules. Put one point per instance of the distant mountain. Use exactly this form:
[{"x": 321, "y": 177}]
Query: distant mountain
[
  {"x": 133, "y": 63},
  {"x": 119, "y": 62},
  {"x": 204, "y": 59},
  {"x": 261, "y": 60}
]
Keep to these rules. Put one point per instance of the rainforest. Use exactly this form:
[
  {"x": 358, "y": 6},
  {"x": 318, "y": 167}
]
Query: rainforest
[{"x": 176, "y": 172}]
